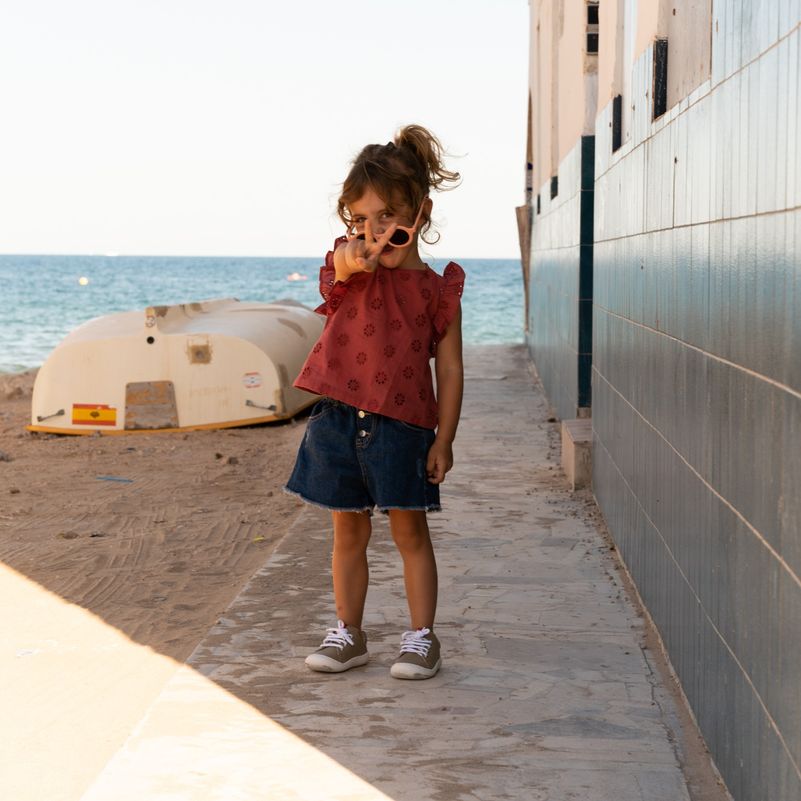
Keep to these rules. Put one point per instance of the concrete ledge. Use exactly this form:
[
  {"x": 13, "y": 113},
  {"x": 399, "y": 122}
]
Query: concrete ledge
[{"x": 577, "y": 452}]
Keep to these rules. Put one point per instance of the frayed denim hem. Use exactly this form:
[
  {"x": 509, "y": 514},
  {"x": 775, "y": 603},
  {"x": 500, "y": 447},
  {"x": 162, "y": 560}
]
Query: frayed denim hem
[
  {"x": 430, "y": 508},
  {"x": 385, "y": 510},
  {"x": 368, "y": 509}
]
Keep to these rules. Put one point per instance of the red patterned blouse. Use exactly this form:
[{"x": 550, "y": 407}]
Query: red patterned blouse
[{"x": 381, "y": 331}]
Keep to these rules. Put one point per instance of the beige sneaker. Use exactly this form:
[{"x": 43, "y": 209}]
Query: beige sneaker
[
  {"x": 419, "y": 656},
  {"x": 343, "y": 648}
]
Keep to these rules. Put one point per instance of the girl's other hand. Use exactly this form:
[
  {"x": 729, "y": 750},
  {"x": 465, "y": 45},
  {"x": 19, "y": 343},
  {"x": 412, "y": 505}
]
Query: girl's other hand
[
  {"x": 440, "y": 460},
  {"x": 361, "y": 255}
]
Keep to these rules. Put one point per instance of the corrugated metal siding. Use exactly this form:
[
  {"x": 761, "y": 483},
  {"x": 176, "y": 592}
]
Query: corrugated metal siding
[{"x": 697, "y": 386}]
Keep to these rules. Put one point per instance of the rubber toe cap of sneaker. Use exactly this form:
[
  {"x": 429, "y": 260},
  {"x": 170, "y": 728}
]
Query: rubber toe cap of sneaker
[
  {"x": 408, "y": 670},
  {"x": 324, "y": 664}
]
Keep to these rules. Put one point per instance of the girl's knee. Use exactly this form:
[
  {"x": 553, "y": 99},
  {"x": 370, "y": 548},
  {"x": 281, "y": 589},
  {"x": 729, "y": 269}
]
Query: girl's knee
[
  {"x": 351, "y": 530},
  {"x": 409, "y": 530}
]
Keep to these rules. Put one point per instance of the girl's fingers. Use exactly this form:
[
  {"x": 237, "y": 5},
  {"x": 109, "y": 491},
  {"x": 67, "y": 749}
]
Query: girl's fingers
[
  {"x": 366, "y": 252},
  {"x": 357, "y": 250},
  {"x": 366, "y": 264},
  {"x": 386, "y": 236},
  {"x": 374, "y": 245},
  {"x": 433, "y": 470}
]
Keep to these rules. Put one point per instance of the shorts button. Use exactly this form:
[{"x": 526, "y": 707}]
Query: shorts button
[
  {"x": 362, "y": 433},
  {"x": 361, "y": 413}
]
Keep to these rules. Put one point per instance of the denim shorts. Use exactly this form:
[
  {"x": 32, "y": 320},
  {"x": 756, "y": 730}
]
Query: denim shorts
[{"x": 351, "y": 460}]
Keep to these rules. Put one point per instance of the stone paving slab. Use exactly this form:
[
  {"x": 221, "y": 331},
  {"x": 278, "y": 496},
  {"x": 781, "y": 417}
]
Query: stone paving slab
[{"x": 545, "y": 693}]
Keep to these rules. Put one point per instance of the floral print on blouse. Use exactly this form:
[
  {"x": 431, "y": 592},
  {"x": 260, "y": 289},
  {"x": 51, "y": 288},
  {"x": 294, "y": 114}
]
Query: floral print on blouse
[{"x": 381, "y": 331}]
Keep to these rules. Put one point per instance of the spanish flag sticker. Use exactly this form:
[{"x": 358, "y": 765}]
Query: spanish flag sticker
[{"x": 93, "y": 414}]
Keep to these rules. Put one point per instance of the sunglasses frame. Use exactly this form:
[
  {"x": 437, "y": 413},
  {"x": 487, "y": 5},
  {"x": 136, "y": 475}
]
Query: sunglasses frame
[{"x": 408, "y": 231}]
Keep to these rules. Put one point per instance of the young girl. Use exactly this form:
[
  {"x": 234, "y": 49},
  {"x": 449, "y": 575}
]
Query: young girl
[{"x": 380, "y": 437}]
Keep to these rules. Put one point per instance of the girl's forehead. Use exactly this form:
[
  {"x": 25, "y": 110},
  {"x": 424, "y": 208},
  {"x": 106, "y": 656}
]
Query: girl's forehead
[{"x": 371, "y": 202}]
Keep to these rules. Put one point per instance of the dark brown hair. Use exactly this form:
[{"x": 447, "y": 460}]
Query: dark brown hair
[{"x": 401, "y": 173}]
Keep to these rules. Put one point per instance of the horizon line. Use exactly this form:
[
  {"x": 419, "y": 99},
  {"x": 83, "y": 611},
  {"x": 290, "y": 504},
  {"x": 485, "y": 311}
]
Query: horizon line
[{"x": 224, "y": 256}]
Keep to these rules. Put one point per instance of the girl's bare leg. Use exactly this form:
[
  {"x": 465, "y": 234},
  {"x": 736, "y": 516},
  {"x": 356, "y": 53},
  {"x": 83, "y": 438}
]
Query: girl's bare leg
[
  {"x": 411, "y": 535},
  {"x": 349, "y": 565}
]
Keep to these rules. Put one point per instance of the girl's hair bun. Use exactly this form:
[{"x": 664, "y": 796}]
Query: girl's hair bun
[{"x": 428, "y": 152}]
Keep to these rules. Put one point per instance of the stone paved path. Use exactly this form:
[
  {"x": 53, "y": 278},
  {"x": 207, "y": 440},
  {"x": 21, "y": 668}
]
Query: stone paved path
[{"x": 545, "y": 694}]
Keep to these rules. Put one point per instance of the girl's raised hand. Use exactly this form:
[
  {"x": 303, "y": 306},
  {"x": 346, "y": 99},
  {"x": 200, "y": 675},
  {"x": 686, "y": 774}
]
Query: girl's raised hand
[{"x": 361, "y": 255}]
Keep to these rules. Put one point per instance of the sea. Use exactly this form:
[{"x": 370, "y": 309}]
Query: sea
[{"x": 43, "y": 298}]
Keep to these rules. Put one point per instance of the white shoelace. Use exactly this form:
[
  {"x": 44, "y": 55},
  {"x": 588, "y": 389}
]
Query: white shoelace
[
  {"x": 338, "y": 637},
  {"x": 414, "y": 642}
]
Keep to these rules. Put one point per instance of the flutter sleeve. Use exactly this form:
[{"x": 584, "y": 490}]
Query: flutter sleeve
[
  {"x": 331, "y": 291},
  {"x": 450, "y": 293}
]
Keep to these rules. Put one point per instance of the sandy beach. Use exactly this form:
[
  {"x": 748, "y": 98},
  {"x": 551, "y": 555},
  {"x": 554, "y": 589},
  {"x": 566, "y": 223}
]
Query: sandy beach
[{"x": 160, "y": 553}]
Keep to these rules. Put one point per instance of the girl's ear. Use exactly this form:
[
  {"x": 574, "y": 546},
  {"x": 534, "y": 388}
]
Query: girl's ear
[{"x": 428, "y": 204}]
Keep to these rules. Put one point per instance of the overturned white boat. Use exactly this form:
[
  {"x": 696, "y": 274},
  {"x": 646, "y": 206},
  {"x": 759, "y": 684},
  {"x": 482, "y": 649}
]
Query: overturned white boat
[{"x": 214, "y": 364}]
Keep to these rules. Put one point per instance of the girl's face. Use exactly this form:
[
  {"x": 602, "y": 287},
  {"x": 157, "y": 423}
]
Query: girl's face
[{"x": 371, "y": 206}]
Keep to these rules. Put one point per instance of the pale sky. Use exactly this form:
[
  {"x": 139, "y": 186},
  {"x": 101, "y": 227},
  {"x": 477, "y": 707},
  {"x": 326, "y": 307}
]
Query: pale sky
[{"x": 203, "y": 127}]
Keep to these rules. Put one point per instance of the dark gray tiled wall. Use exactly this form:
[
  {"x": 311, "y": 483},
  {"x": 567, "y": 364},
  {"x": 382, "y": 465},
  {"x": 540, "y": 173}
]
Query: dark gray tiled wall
[
  {"x": 560, "y": 297},
  {"x": 697, "y": 386},
  {"x": 735, "y": 724}
]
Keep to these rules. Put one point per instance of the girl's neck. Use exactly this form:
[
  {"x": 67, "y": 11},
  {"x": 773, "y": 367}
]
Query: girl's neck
[
  {"x": 413, "y": 264},
  {"x": 399, "y": 260}
]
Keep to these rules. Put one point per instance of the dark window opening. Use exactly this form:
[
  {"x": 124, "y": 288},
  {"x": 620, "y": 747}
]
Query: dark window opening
[
  {"x": 592, "y": 27},
  {"x": 617, "y": 122},
  {"x": 660, "y": 76},
  {"x": 529, "y": 181},
  {"x": 554, "y": 186},
  {"x": 538, "y": 204}
]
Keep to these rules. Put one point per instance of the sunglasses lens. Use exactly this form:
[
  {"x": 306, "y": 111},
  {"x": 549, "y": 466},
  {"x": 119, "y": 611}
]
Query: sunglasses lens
[{"x": 399, "y": 238}]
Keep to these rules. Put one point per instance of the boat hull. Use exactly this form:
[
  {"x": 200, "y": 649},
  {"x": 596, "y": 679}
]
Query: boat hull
[{"x": 214, "y": 364}]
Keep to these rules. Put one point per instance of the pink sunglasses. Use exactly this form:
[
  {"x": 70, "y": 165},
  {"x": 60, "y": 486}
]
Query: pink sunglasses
[{"x": 402, "y": 235}]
